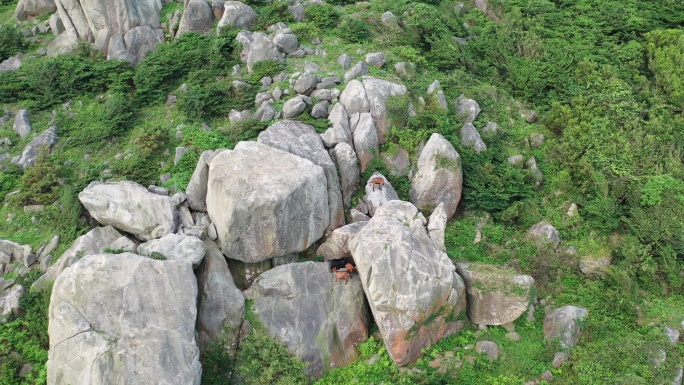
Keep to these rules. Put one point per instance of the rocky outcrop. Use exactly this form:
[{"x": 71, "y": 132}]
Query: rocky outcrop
[
  {"x": 128, "y": 206},
  {"x": 265, "y": 202},
  {"x": 14, "y": 252},
  {"x": 366, "y": 140},
  {"x": 175, "y": 246},
  {"x": 237, "y": 15},
  {"x": 135, "y": 44},
  {"x": 221, "y": 303},
  {"x": 562, "y": 324},
  {"x": 302, "y": 140},
  {"x": 94, "y": 241},
  {"x": 471, "y": 138},
  {"x": 45, "y": 140},
  {"x": 337, "y": 244},
  {"x": 439, "y": 177},
  {"x": 378, "y": 91},
  {"x": 496, "y": 296},
  {"x": 197, "y": 187},
  {"x": 32, "y": 8},
  {"x": 345, "y": 160},
  {"x": 197, "y": 17},
  {"x": 339, "y": 127},
  {"x": 413, "y": 289},
  {"x": 376, "y": 195},
  {"x": 319, "y": 320},
  {"x": 123, "y": 319},
  {"x": 256, "y": 47}
]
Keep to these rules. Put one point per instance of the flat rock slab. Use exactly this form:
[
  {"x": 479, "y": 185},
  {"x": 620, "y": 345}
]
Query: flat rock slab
[
  {"x": 413, "y": 289},
  {"x": 321, "y": 321},
  {"x": 124, "y": 319},
  {"x": 265, "y": 202},
  {"x": 176, "y": 246}
]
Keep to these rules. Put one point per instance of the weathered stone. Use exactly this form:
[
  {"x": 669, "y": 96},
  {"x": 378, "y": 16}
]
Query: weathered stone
[
  {"x": 128, "y": 206},
  {"x": 109, "y": 313},
  {"x": 320, "y": 110},
  {"x": 516, "y": 160},
  {"x": 344, "y": 61},
  {"x": 63, "y": 44},
  {"x": 138, "y": 42},
  {"x": 344, "y": 157},
  {"x": 513, "y": 336},
  {"x": 312, "y": 67},
  {"x": 562, "y": 324},
  {"x": 366, "y": 140},
  {"x": 305, "y": 83},
  {"x": 94, "y": 241},
  {"x": 302, "y": 140},
  {"x": 22, "y": 123},
  {"x": 123, "y": 244},
  {"x": 32, "y": 8},
  {"x": 43, "y": 141},
  {"x": 46, "y": 250},
  {"x": 221, "y": 303},
  {"x": 471, "y": 138},
  {"x": 375, "y": 59},
  {"x": 294, "y": 107},
  {"x": 298, "y": 12},
  {"x": 197, "y": 186},
  {"x": 197, "y": 17},
  {"x": 388, "y": 18},
  {"x": 437, "y": 225},
  {"x": 175, "y": 246},
  {"x": 529, "y": 115},
  {"x": 439, "y": 177},
  {"x": 378, "y": 91},
  {"x": 490, "y": 348},
  {"x": 544, "y": 232},
  {"x": 496, "y": 295},
  {"x": 319, "y": 320},
  {"x": 9, "y": 303},
  {"x": 266, "y": 202},
  {"x": 536, "y": 140},
  {"x": 466, "y": 108},
  {"x": 354, "y": 98},
  {"x": 337, "y": 244},
  {"x": 17, "y": 253},
  {"x": 559, "y": 358},
  {"x": 218, "y": 7},
  {"x": 672, "y": 335},
  {"x": 358, "y": 216},
  {"x": 593, "y": 265},
  {"x": 359, "y": 69},
  {"x": 11, "y": 64},
  {"x": 339, "y": 129},
  {"x": 261, "y": 48},
  {"x": 413, "y": 290},
  {"x": 377, "y": 196},
  {"x": 237, "y": 15},
  {"x": 405, "y": 70},
  {"x": 286, "y": 41},
  {"x": 397, "y": 163},
  {"x": 490, "y": 128},
  {"x": 56, "y": 25}
]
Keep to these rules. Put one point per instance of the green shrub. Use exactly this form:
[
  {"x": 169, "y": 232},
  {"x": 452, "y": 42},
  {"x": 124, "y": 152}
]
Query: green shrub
[
  {"x": 354, "y": 30},
  {"x": 39, "y": 183},
  {"x": 204, "y": 101},
  {"x": 324, "y": 17},
  {"x": 264, "y": 68},
  {"x": 11, "y": 41},
  {"x": 271, "y": 14}
]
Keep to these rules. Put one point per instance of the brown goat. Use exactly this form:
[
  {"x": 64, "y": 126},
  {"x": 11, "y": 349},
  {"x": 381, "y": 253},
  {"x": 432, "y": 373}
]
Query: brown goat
[
  {"x": 377, "y": 181},
  {"x": 341, "y": 274},
  {"x": 350, "y": 268}
]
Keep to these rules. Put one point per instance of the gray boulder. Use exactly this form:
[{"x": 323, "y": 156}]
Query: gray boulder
[
  {"x": 63, "y": 44},
  {"x": 17, "y": 253},
  {"x": 496, "y": 295},
  {"x": 337, "y": 244},
  {"x": 529, "y": 115},
  {"x": 562, "y": 324},
  {"x": 399, "y": 163},
  {"x": 265, "y": 202},
  {"x": 294, "y": 107},
  {"x": 516, "y": 160},
  {"x": 359, "y": 69},
  {"x": 265, "y": 113},
  {"x": 377, "y": 196},
  {"x": 261, "y": 48},
  {"x": 344, "y": 61},
  {"x": 366, "y": 140},
  {"x": 437, "y": 225},
  {"x": 197, "y": 187},
  {"x": 94, "y": 241},
  {"x": 320, "y": 110},
  {"x": 405, "y": 70},
  {"x": 490, "y": 348},
  {"x": 9, "y": 303},
  {"x": 344, "y": 157},
  {"x": 122, "y": 244},
  {"x": 56, "y": 25},
  {"x": 302, "y": 140},
  {"x": 439, "y": 177},
  {"x": 221, "y": 303},
  {"x": 413, "y": 290},
  {"x": 544, "y": 232},
  {"x": 22, "y": 123},
  {"x": 197, "y": 17},
  {"x": 471, "y": 138},
  {"x": 32, "y": 8},
  {"x": 491, "y": 128},
  {"x": 388, "y": 18},
  {"x": 339, "y": 129},
  {"x": 305, "y": 83},
  {"x": 378, "y": 91},
  {"x": 298, "y": 12},
  {"x": 124, "y": 319},
  {"x": 354, "y": 98},
  {"x": 594, "y": 265},
  {"x": 286, "y": 41},
  {"x": 319, "y": 320},
  {"x": 175, "y": 246},
  {"x": 237, "y": 15},
  {"x": 376, "y": 59},
  {"x": 140, "y": 41},
  {"x": 358, "y": 216},
  {"x": 128, "y": 206},
  {"x": 466, "y": 108},
  {"x": 11, "y": 64},
  {"x": 45, "y": 140}
]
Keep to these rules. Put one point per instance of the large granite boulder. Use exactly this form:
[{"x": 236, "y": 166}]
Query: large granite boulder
[
  {"x": 366, "y": 140},
  {"x": 124, "y": 319},
  {"x": 377, "y": 196},
  {"x": 467, "y": 109},
  {"x": 439, "y": 177},
  {"x": 339, "y": 129},
  {"x": 413, "y": 289},
  {"x": 45, "y": 140},
  {"x": 321, "y": 321},
  {"x": 128, "y": 206},
  {"x": 544, "y": 232},
  {"x": 175, "y": 246},
  {"x": 135, "y": 44},
  {"x": 32, "y": 8},
  {"x": 9, "y": 303},
  {"x": 345, "y": 159},
  {"x": 265, "y": 202},
  {"x": 256, "y": 47},
  {"x": 354, "y": 98},
  {"x": 471, "y": 138},
  {"x": 496, "y": 295},
  {"x": 437, "y": 226},
  {"x": 337, "y": 244},
  {"x": 197, "y": 186},
  {"x": 378, "y": 91},
  {"x": 562, "y": 324},
  {"x": 237, "y": 15},
  {"x": 221, "y": 303},
  {"x": 97, "y": 21},
  {"x": 94, "y": 241},
  {"x": 197, "y": 17},
  {"x": 14, "y": 252},
  {"x": 22, "y": 123},
  {"x": 302, "y": 140}
]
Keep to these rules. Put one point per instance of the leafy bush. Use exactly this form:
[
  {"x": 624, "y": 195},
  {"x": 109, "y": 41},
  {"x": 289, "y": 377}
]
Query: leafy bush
[
  {"x": 324, "y": 17},
  {"x": 39, "y": 183},
  {"x": 11, "y": 42},
  {"x": 354, "y": 30},
  {"x": 264, "y": 68},
  {"x": 208, "y": 99}
]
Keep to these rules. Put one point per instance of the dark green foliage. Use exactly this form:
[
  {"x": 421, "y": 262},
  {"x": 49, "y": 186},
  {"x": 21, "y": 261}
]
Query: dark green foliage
[
  {"x": 273, "y": 13},
  {"x": 354, "y": 30},
  {"x": 264, "y": 68},
  {"x": 11, "y": 42},
  {"x": 324, "y": 17},
  {"x": 39, "y": 183},
  {"x": 207, "y": 97}
]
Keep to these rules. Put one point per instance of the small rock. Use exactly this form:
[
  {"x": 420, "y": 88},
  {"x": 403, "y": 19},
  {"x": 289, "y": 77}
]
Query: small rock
[
  {"x": 672, "y": 334},
  {"x": 559, "y": 358},
  {"x": 529, "y": 115},
  {"x": 179, "y": 154},
  {"x": 490, "y": 348},
  {"x": 547, "y": 376},
  {"x": 376, "y": 59},
  {"x": 536, "y": 140},
  {"x": 516, "y": 160},
  {"x": 545, "y": 232},
  {"x": 491, "y": 128},
  {"x": 311, "y": 67},
  {"x": 513, "y": 336}
]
